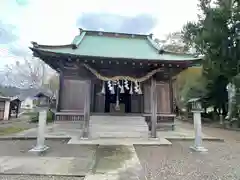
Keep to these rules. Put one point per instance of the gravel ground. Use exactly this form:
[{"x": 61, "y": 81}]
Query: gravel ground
[
  {"x": 229, "y": 136},
  {"x": 178, "y": 162},
  {"x": 27, "y": 177},
  {"x": 57, "y": 148}
]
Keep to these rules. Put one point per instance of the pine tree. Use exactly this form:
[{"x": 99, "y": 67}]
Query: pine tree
[{"x": 216, "y": 36}]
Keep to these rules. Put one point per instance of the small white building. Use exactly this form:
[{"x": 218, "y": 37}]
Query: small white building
[
  {"x": 33, "y": 98},
  {"x": 27, "y": 103},
  {"x": 4, "y": 108}
]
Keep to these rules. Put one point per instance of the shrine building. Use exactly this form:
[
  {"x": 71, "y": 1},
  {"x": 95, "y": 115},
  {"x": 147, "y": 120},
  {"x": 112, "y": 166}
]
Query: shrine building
[{"x": 114, "y": 73}]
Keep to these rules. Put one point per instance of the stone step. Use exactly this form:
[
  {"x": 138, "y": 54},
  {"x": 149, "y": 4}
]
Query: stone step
[
  {"x": 120, "y": 121},
  {"x": 120, "y": 130},
  {"x": 118, "y": 127}
]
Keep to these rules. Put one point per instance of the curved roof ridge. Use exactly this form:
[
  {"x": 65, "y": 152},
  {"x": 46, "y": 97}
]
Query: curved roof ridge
[
  {"x": 179, "y": 53},
  {"x": 162, "y": 50},
  {"x": 112, "y": 32},
  {"x": 153, "y": 43},
  {"x": 78, "y": 39}
]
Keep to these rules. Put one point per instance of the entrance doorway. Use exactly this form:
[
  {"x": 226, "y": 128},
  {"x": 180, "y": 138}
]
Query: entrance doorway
[
  {"x": 106, "y": 103},
  {"x": 124, "y": 101}
]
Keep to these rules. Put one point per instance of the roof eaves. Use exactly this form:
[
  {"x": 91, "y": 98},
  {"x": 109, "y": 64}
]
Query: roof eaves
[
  {"x": 14, "y": 98},
  {"x": 123, "y": 58},
  {"x": 36, "y": 45},
  {"x": 45, "y": 92},
  {"x": 5, "y": 98}
]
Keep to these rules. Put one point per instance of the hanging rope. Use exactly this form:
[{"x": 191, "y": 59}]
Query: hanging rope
[{"x": 116, "y": 78}]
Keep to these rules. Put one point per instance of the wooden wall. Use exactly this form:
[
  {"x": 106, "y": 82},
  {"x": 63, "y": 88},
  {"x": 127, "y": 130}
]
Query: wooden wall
[
  {"x": 136, "y": 103},
  {"x": 72, "y": 95},
  {"x": 2, "y": 109},
  {"x": 99, "y": 99},
  {"x": 163, "y": 98}
]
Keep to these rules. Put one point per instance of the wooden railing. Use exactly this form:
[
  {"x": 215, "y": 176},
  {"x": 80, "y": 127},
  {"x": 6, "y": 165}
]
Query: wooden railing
[
  {"x": 163, "y": 120},
  {"x": 69, "y": 116}
]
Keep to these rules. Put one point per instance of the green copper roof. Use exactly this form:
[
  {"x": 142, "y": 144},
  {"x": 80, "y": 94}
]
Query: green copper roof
[{"x": 114, "y": 45}]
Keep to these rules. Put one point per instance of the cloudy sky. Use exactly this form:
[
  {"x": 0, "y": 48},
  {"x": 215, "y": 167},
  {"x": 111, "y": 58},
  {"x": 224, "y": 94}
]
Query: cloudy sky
[{"x": 57, "y": 21}]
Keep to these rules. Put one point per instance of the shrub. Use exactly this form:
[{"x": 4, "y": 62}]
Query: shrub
[
  {"x": 34, "y": 117},
  {"x": 50, "y": 116}
]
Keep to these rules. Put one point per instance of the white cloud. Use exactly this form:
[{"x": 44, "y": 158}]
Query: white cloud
[{"x": 54, "y": 21}]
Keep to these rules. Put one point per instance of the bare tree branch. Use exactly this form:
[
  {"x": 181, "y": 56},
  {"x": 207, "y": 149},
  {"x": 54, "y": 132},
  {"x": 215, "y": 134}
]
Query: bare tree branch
[{"x": 30, "y": 73}]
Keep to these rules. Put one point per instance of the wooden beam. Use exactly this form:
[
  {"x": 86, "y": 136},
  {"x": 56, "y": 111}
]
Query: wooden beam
[
  {"x": 92, "y": 105},
  {"x": 87, "y": 109},
  {"x": 171, "y": 90},
  {"x": 153, "y": 108},
  {"x": 61, "y": 79}
]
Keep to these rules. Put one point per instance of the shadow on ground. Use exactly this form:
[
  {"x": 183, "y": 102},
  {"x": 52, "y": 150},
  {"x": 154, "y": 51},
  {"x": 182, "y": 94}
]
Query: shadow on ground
[{"x": 111, "y": 158}]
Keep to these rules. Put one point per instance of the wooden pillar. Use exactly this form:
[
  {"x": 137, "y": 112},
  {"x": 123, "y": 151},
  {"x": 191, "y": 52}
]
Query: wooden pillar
[
  {"x": 142, "y": 104},
  {"x": 87, "y": 109},
  {"x": 92, "y": 99},
  {"x": 153, "y": 108},
  {"x": 61, "y": 79},
  {"x": 171, "y": 91}
]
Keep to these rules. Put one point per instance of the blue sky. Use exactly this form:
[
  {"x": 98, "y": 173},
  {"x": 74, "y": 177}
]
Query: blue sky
[{"x": 57, "y": 21}]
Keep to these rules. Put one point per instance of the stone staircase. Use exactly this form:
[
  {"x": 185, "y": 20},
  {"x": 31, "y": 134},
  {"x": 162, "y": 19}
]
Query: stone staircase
[{"x": 118, "y": 127}]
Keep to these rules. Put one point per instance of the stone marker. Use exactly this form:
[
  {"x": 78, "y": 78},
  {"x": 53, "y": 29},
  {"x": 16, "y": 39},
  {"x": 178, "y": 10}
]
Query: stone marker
[
  {"x": 40, "y": 147},
  {"x": 196, "y": 110},
  {"x": 221, "y": 117},
  {"x": 198, "y": 133}
]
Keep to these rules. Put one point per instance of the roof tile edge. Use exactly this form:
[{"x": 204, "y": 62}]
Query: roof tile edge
[{"x": 111, "y": 32}]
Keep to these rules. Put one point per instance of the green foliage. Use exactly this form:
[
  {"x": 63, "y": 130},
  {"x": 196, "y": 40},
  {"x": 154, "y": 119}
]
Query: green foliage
[
  {"x": 236, "y": 81},
  {"x": 216, "y": 36},
  {"x": 34, "y": 117},
  {"x": 194, "y": 89}
]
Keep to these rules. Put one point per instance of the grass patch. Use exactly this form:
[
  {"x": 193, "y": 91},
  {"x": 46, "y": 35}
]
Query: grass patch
[
  {"x": 10, "y": 130},
  {"x": 28, "y": 113}
]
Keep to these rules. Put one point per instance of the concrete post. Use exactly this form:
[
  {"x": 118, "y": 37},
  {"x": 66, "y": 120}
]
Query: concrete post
[
  {"x": 40, "y": 147},
  {"x": 6, "y": 110},
  {"x": 221, "y": 117},
  {"x": 198, "y": 132},
  {"x": 85, "y": 133}
]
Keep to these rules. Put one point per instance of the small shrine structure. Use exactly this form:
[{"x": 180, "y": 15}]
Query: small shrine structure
[{"x": 114, "y": 73}]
